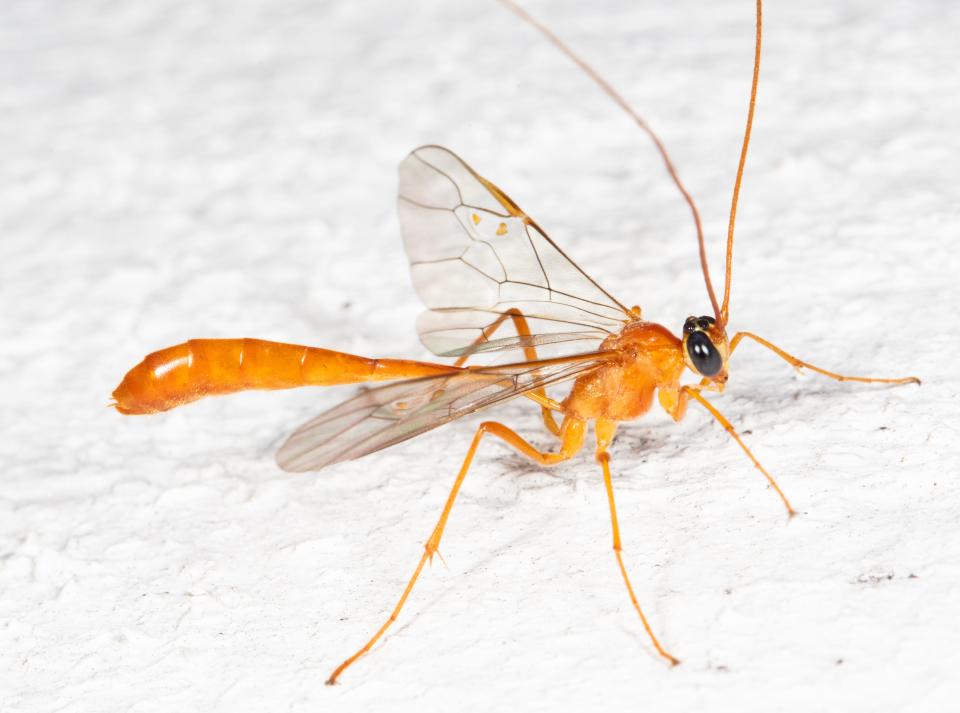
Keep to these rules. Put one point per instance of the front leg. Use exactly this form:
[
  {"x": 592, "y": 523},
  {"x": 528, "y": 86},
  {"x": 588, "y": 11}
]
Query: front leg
[
  {"x": 799, "y": 364},
  {"x": 694, "y": 393},
  {"x": 674, "y": 401}
]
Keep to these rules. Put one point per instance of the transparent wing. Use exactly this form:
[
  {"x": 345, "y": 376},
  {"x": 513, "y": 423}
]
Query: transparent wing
[
  {"x": 381, "y": 417},
  {"x": 475, "y": 256}
]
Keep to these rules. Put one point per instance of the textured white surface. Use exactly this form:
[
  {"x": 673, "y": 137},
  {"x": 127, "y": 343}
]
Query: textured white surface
[{"x": 184, "y": 169}]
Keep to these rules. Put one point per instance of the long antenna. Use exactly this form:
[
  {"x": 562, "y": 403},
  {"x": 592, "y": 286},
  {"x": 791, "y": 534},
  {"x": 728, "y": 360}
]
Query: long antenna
[
  {"x": 725, "y": 308},
  {"x": 622, "y": 103}
]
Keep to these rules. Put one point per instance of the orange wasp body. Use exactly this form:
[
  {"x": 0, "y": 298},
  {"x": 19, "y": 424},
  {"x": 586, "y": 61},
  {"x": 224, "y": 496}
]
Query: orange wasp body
[{"x": 478, "y": 261}]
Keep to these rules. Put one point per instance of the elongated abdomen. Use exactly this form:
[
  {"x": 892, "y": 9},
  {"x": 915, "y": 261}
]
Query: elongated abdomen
[{"x": 207, "y": 367}]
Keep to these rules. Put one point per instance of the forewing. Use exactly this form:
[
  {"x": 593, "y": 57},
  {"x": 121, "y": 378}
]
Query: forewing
[
  {"x": 475, "y": 256},
  {"x": 386, "y": 415}
]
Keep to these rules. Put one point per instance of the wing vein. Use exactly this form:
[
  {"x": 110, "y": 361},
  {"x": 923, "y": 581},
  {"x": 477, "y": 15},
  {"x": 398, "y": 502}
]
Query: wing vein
[{"x": 469, "y": 258}]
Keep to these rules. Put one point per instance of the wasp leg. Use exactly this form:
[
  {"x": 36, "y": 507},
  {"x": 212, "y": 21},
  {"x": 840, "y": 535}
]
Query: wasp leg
[
  {"x": 604, "y": 431},
  {"x": 572, "y": 435},
  {"x": 804, "y": 365},
  {"x": 728, "y": 427},
  {"x": 547, "y": 405}
]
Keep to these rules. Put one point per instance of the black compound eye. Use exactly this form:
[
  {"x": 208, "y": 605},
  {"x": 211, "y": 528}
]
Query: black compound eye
[
  {"x": 703, "y": 354},
  {"x": 706, "y": 322},
  {"x": 690, "y": 325}
]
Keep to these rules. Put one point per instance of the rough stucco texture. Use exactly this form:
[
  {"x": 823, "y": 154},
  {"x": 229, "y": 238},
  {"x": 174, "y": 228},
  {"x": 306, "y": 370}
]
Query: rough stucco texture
[{"x": 184, "y": 169}]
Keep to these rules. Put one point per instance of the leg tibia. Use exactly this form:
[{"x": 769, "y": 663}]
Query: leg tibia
[
  {"x": 728, "y": 427},
  {"x": 790, "y": 359},
  {"x": 603, "y": 457},
  {"x": 572, "y": 436},
  {"x": 530, "y": 352}
]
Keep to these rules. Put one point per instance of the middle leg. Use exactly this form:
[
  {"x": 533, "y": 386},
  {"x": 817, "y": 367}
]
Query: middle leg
[{"x": 604, "y": 432}]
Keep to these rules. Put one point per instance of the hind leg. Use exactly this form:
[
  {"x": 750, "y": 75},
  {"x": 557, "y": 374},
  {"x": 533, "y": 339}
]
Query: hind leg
[
  {"x": 572, "y": 436},
  {"x": 547, "y": 405}
]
